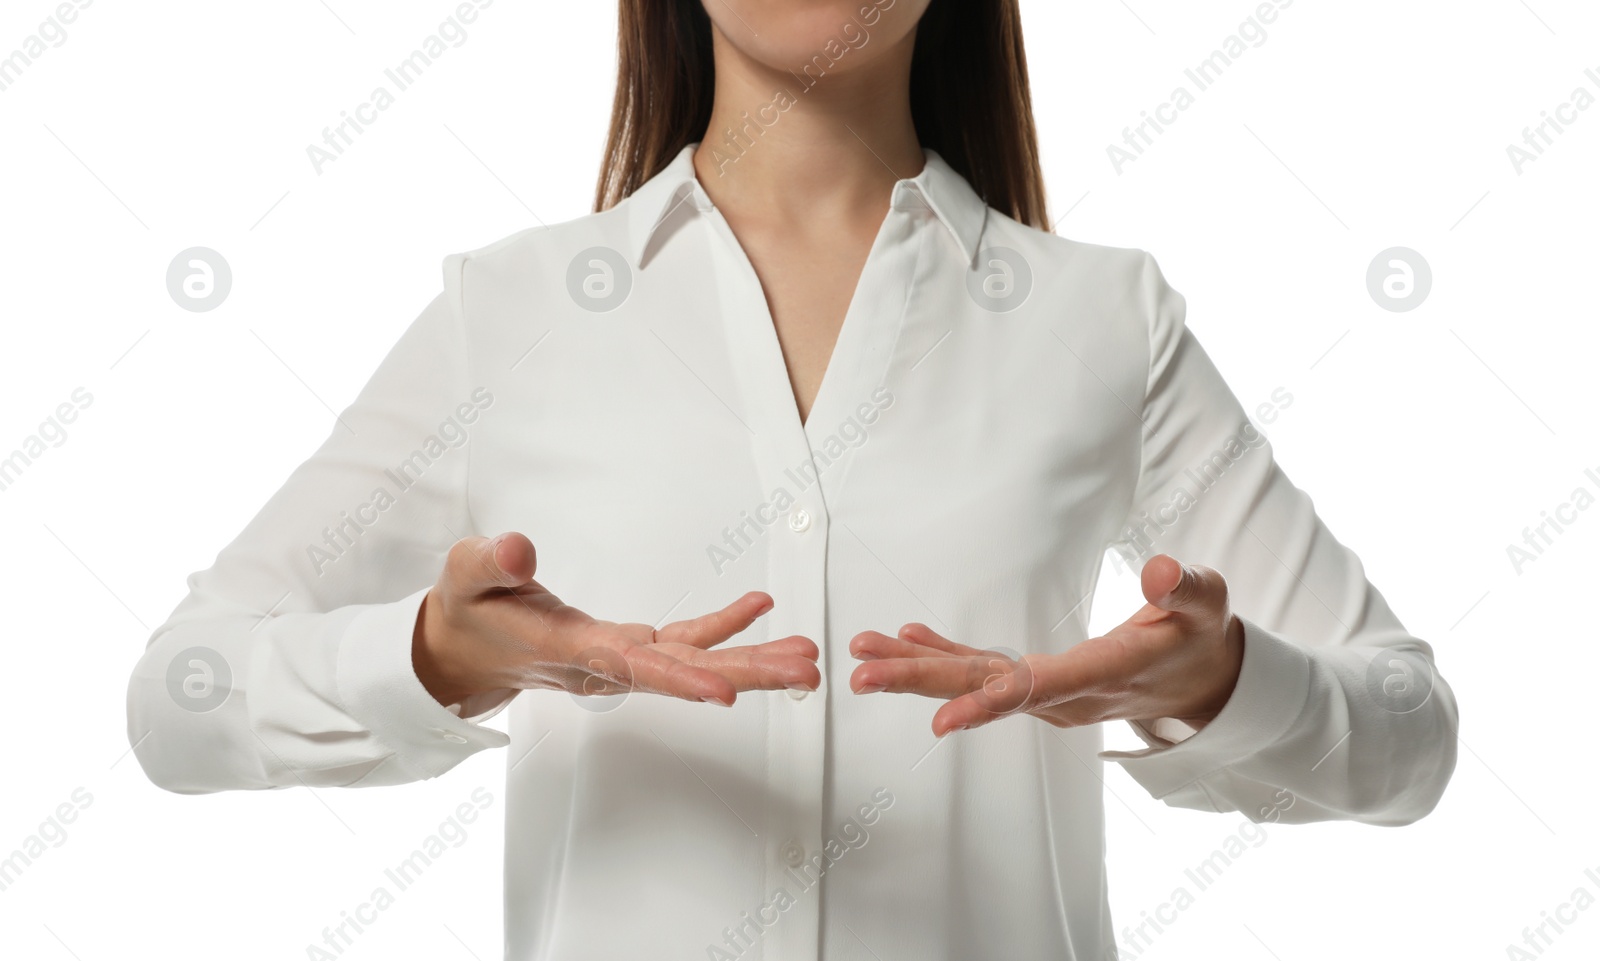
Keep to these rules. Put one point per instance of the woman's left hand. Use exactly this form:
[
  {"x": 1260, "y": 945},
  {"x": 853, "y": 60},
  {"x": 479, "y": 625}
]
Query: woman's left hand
[{"x": 1178, "y": 656}]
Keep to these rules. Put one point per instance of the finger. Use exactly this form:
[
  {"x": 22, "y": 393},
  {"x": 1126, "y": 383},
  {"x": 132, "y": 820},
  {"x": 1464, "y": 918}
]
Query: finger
[
  {"x": 476, "y": 565},
  {"x": 714, "y": 628},
  {"x": 961, "y": 714},
  {"x": 1002, "y": 680},
  {"x": 922, "y": 634},
  {"x": 751, "y": 669},
  {"x": 871, "y": 645},
  {"x": 1055, "y": 680},
  {"x": 1182, "y": 589},
  {"x": 656, "y": 672},
  {"x": 794, "y": 644},
  {"x": 928, "y": 676},
  {"x": 966, "y": 713}
]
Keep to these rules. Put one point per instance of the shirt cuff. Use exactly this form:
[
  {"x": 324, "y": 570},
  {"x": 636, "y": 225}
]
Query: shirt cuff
[
  {"x": 380, "y": 688},
  {"x": 1163, "y": 731},
  {"x": 1274, "y": 683}
]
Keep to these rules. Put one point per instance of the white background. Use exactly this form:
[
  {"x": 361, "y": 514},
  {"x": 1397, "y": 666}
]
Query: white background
[{"x": 1429, "y": 439}]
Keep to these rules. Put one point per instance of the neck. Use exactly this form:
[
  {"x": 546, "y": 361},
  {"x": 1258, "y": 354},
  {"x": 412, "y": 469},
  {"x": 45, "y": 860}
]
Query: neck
[{"x": 808, "y": 148}]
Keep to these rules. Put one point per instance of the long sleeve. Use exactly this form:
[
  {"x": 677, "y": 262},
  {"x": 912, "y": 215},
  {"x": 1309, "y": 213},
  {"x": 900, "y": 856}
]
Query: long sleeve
[
  {"x": 289, "y": 662},
  {"x": 1338, "y": 711}
]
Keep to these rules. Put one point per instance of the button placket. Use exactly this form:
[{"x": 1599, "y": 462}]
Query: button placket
[
  {"x": 797, "y": 564},
  {"x": 795, "y": 570}
]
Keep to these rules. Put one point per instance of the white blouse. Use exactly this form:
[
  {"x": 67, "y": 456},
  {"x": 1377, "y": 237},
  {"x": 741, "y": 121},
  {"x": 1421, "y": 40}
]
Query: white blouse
[{"x": 1002, "y": 407}]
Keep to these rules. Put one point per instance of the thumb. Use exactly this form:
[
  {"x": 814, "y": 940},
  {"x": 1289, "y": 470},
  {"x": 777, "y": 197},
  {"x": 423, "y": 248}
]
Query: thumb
[
  {"x": 479, "y": 564},
  {"x": 1180, "y": 588}
]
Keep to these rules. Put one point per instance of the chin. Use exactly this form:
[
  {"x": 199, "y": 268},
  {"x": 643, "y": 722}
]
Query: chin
[{"x": 836, "y": 35}]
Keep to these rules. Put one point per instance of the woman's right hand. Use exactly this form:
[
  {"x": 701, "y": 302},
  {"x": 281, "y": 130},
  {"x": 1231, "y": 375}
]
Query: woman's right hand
[{"x": 488, "y": 626}]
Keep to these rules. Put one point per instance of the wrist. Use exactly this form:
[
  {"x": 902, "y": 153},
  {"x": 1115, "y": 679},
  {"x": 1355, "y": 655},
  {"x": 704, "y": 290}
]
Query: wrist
[{"x": 436, "y": 661}]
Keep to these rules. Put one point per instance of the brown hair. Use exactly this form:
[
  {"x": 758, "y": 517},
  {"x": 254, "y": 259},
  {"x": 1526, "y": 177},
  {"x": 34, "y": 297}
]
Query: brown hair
[{"x": 969, "y": 98}]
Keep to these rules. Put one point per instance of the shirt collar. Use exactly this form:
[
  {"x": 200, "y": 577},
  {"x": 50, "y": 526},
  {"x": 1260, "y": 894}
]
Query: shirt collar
[{"x": 668, "y": 195}]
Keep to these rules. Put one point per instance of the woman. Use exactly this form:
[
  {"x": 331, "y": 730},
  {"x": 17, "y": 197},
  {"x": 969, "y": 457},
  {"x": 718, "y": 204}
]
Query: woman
[{"x": 816, "y": 353}]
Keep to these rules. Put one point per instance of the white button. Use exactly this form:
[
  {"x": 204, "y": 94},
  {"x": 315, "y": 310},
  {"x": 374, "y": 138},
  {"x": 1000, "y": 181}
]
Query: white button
[
  {"x": 793, "y": 854},
  {"x": 798, "y": 695},
  {"x": 799, "y": 521},
  {"x": 450, "y": 736}
]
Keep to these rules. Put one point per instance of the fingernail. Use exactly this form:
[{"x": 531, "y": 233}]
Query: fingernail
[
  {"x": 797, "y": 686},
  {"x": 872, "y": 689},
  {"x": 958, "y": 727},
  {"x": 717, "y": 701}
]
